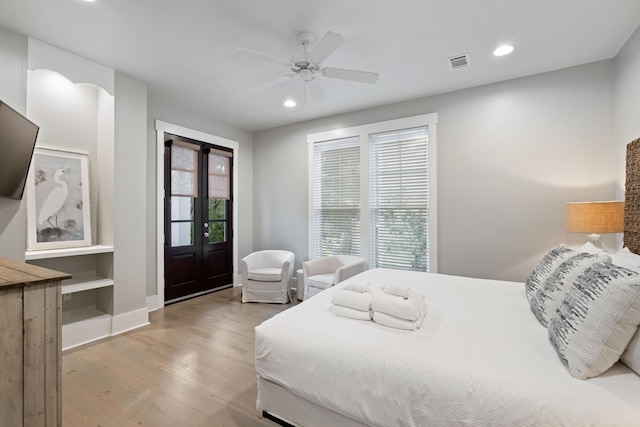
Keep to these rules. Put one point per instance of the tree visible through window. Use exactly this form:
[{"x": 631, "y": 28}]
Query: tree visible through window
[
  {"x": 336, "y": 202},
  {"x": 399, "y": 199}
]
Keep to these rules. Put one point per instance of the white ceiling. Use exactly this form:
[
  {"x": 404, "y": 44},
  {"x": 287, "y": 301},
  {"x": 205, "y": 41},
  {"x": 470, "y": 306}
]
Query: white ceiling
[{"x": 185, "y": 49}]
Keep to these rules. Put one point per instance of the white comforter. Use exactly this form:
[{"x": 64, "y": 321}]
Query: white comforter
[{"x": 480, "y": 359}]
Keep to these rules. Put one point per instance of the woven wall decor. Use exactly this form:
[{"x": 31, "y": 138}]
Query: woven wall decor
[{"x": 632, "y": 198}]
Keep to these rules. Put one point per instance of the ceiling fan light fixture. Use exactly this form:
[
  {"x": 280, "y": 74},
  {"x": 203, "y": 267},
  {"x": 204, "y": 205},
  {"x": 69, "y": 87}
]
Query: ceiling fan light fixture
[
  {"x": 307, "y": 66},
  {"x": 289, "y": 103},
  {"x": 503, "y": 50}
]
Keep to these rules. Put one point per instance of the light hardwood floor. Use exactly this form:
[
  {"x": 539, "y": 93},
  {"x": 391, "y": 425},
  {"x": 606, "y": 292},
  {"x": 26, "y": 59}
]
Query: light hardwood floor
[{"x": 193, "y": 366}]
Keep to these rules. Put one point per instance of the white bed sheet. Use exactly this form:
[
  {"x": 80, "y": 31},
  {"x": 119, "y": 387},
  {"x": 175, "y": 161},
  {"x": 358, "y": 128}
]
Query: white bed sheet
[{"x": 480, "y": 359}]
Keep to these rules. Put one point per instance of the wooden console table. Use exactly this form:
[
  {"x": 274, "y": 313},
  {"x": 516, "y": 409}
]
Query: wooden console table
[{"x": 31, "y": 342}]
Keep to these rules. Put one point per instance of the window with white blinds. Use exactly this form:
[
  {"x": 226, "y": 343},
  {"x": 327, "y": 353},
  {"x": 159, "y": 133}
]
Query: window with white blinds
[
  {"x": 373, "y": 193},
  {"x": 399, "y": 199},
  {"x": 336, "y": 197}
]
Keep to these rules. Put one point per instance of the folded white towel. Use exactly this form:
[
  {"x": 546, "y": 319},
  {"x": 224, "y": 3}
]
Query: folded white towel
[
  {"x": 352, "y": 299},
  {"x": 413, "y": 308},
  {"x": 419, "y": 301},
  {"x": 394, "y": 322},
  {"x": 398, "y": 290},
  {"x": 350, "y": 313},
  {"x": 357, "y": 286}
]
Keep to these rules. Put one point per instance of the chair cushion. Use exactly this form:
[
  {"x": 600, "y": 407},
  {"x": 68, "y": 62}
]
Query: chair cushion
[
  {"x": 322, "y": 281},
  {"x": 265, "y": 274}
]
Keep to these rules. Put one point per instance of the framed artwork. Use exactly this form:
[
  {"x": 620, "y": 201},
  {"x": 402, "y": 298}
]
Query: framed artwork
[{"x": 58, "y": 211}]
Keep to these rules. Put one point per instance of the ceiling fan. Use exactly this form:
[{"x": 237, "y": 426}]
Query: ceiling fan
[{"x": 307, "y": 65}]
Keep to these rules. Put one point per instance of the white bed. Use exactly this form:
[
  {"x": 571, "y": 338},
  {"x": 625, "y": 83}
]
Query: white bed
[{"x": 481, "y": 358}]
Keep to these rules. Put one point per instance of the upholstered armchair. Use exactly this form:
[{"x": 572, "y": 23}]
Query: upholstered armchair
[
  {"x": 266, "y": 276},
  {"x": 322, "y": 273}
]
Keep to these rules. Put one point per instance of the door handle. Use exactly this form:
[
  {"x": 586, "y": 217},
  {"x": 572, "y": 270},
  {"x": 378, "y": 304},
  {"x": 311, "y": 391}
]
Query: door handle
[{"x": 206, "y": 234}]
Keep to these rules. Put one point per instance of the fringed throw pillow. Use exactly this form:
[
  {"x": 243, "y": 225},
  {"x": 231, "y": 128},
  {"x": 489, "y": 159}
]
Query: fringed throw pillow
[
  {"x": 547, "y": 265},
  {"x": 549, "y": 296},
  {"x": 596, "y": 319}
]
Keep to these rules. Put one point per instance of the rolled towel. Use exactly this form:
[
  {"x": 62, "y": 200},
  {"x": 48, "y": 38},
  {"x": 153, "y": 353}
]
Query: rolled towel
[
  {"x": 394, "y": 322},
  {"x": 356, "y": 286},
  {"x": 352, "y": 299},
  {"x": 362, "y": 287},
  {"x": 412, "y": 309},
  {"x": 419, "y": 301},
  {"x": 350, "y": 313},
  {"x": 397, "y": 290}
]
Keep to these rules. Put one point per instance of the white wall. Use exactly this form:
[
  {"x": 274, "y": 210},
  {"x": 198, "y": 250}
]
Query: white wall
[
  {"x": 627, "y": 102},
  {"x": 67, "y": 114},
  {"x": 510, "y": 155},
  {"x": 130, "y": 185},
  {"x": 13, "y": 91}
]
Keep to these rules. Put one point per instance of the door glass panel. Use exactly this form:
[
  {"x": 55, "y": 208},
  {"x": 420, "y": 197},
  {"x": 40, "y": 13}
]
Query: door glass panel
[
  {"x": 217, "y": 209},
  {"x": 182, "y": 234},
  {"x": 181, "y": 208},
  {"x": 216, "y": 232}
]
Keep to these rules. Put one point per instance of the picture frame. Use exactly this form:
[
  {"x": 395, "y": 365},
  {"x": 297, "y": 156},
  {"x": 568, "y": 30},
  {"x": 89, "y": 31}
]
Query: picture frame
[{"x": 58, "y": 200}]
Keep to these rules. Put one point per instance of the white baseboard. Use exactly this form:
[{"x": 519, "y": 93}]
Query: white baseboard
[
  {"x": 128, "y": 321},
  {"x": 91, "y": 329},
  {"x": 153, "y": 303}
]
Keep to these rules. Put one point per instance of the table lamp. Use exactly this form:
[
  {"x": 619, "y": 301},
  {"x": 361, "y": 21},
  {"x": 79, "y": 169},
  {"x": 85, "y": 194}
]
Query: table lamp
[{"x": 595, "y": 218}]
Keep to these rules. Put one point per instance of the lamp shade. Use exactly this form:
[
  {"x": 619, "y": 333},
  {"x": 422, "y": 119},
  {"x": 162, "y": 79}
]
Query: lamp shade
[{"x": 595, "y": 217}]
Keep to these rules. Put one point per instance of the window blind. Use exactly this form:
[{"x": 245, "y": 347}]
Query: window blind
[
  {"x": 336, "y": 197},
  {"x": 184, "y": 169},
  {"x": 399, "y": 199},
  {"x": 219, "y": 175}
]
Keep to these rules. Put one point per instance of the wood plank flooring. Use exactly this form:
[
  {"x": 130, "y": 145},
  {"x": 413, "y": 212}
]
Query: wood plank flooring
[{"x": 193, "y": 366}]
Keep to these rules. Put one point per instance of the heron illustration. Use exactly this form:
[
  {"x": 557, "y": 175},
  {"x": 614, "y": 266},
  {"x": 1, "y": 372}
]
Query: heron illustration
[{"x": 55, "y": 200}]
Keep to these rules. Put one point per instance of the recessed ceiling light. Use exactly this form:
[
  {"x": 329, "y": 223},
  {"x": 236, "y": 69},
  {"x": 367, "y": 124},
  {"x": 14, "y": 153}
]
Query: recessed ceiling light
[
  {"x": 503, "y": 50},
  {"x": 290, "y": 103}
]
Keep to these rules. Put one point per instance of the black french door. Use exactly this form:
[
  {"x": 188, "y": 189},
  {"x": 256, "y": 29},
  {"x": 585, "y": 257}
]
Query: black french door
[{"x": 198, "y": 246}]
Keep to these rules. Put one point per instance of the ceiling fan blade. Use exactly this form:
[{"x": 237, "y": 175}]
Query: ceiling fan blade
[
  {"x": 264, "y": 56},
  {"x": 271, "y": 83},
  {"x": 353, "y": 75},
  {"x": 314, "y": 92},
  {"x": 326, "y": 46}
]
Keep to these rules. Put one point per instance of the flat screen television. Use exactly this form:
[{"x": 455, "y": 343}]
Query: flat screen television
[{"x": 17, "y": 141}]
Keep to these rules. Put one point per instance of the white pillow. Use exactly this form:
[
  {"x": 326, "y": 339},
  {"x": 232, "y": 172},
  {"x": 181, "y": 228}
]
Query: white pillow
[
  {"x": 625, "y": 258},
  {"x": 549, "y": 296},
  {"x": 545, "y": 267},
  {"x": 631, "y": 356},
  {"x": 590, "y": 248},
  {"x": 596, "y": 319}
]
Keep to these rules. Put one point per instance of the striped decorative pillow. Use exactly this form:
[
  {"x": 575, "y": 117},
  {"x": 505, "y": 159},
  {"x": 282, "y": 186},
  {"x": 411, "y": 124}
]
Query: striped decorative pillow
[
  {"x": 596, "y": 319},
  {"x": 546, "y": 266},
  {"x": 549, "y": 296}
]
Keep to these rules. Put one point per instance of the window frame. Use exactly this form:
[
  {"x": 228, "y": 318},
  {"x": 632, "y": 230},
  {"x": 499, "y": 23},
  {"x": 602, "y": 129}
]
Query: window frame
[{"x": 363, "y": 132}]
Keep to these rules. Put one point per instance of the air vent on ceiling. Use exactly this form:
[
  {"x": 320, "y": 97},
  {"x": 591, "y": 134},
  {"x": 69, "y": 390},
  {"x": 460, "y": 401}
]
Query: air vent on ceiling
[{"x": 459, "y": 61}]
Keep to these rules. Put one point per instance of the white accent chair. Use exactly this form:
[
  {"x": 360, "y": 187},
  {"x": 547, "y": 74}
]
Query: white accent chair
[
  {"x": 266, "y": 276},
  {"x": 322, "y": 273}
]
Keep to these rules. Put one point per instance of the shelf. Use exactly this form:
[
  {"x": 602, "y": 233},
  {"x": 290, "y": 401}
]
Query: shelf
[
  {"x": 84, "y": 325},
  {"x": 67, "y": 252},
  {"x": 88, "y": 313},
  {"x": 79, "y": 285}
]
